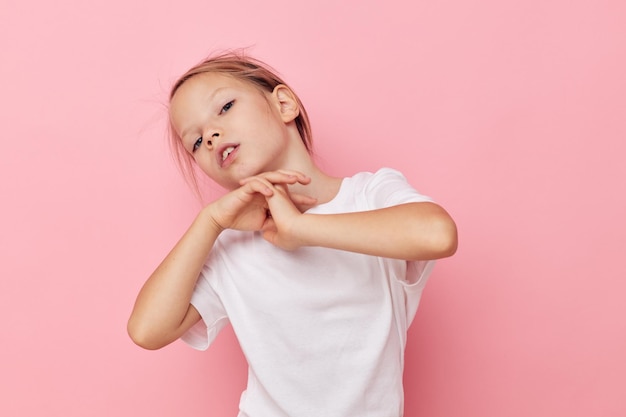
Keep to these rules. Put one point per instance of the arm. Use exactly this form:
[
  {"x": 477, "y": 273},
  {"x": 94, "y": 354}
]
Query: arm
[
  {"x": 162, "y": 311},
  {"x": 412, "y": 231},
  {"x": 409, "y": 231}
]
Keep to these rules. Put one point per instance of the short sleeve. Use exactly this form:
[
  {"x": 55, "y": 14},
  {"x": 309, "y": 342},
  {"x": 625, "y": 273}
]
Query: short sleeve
[
  {"x": 416, "y": 277},
  {"x": 214, "y": 318},
  {"x": 388, "y": 187}
]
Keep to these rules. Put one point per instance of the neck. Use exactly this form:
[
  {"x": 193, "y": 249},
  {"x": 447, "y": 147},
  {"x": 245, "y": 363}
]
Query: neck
[{"x": 322, "y": 187}]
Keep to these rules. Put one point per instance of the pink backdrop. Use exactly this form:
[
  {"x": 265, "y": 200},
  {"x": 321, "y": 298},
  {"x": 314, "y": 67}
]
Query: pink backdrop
[{"x": 512, "y": 114}]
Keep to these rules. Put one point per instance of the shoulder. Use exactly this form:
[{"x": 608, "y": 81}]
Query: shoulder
[
  {"x": 373, "y": 179},
  {"x": 385, "y": 187}
]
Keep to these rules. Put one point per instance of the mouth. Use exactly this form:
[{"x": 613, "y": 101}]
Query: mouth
[{"x": 226, "y": 154}]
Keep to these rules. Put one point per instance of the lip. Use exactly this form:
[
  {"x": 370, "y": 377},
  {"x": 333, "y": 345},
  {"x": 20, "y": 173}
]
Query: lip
[{"x": 229, "y": 160}]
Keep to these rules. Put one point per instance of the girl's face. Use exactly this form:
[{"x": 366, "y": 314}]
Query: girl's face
[{"x": 232, "y": 129}]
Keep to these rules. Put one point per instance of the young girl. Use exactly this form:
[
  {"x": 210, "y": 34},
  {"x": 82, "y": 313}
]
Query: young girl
[{"x": 319, "y": 276}]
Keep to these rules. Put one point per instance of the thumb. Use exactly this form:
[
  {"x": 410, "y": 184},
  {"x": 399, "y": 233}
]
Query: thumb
[{"x": 269, "y": 230}]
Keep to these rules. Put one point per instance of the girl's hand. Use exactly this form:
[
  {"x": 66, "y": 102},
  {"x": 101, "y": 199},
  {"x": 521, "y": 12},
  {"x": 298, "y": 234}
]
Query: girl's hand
[
  {"x": 246, "y": 208},
  {"x": 280, "y": 229},
  {"x": 285, "y": 208}
]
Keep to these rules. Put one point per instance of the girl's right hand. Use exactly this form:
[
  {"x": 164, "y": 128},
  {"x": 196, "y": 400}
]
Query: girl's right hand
[{"x": 246, "y": 207}]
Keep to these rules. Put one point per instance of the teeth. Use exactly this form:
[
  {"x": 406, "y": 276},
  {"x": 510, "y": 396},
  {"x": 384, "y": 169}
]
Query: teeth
[{"x": 227, "y": 152}]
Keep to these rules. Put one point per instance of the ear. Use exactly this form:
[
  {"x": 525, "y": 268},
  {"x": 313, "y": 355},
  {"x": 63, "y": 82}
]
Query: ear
[{"x": 286, "y": 102}]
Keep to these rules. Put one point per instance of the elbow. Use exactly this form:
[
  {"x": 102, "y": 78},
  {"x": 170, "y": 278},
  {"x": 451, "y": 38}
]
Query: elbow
[
  {"x": 441, "y": 238},
  {"x": 143, "y": 337},
  {"x": 449, "y": 240}
]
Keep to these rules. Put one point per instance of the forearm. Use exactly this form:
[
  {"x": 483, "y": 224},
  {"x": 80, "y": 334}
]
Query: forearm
[
  {"x": 162, "y": 310},
  {"x": 414, "y": 231}
]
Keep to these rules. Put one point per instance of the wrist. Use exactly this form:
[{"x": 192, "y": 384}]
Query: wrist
[
  {"x": 304, "y": 229},
  {"x": 207, "y": 215}
]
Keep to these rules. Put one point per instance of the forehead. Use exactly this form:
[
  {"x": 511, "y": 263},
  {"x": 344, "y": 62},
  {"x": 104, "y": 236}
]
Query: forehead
[{"x": 206, "y": 84}]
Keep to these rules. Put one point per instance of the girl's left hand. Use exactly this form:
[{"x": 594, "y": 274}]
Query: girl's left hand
[
  {"x": 280, "y": 228},
  {"x": 285, "y": 209}
]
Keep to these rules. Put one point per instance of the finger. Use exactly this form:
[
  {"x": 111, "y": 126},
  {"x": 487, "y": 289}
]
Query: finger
[
  {"x": 273, "y": 177},
  {"x": 258, "y": 185},
  {"x": 281, "y": 201},
  {"x": 294, "y": 197},
  {"x": 269, "y": 230},
  {"x": 301, "y": 177},
  {"x": 297, "y": 174},
  {"x": 301, "y": 199},
  {"x": 280, "y": 177}
]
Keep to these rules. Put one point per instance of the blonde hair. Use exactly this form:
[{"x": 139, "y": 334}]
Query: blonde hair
[{"x": 244, "y": 68}]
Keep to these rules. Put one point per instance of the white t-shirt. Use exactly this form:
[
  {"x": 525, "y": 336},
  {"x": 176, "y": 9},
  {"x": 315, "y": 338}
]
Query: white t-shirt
[{"x": 323, "y": 330}]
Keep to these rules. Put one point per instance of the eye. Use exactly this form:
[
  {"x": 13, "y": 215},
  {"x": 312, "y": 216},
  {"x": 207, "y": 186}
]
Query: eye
[
  {"x": 227, "y": 106},
  {"x": 196, "y": 144}
]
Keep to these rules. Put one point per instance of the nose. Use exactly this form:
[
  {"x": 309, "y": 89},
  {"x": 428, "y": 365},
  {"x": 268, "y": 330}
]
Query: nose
[{"x": 210, "y": 137}]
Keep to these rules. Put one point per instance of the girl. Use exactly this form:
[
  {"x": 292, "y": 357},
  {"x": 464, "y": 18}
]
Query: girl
[{"x": 319, "y": 276}]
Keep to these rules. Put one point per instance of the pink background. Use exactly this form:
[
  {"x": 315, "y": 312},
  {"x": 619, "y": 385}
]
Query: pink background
[{"x": 512, "y": 114}]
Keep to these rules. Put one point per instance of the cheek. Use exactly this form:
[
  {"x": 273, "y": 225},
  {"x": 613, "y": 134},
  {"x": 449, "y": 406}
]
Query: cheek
[{"x": 204, "y": 164}]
